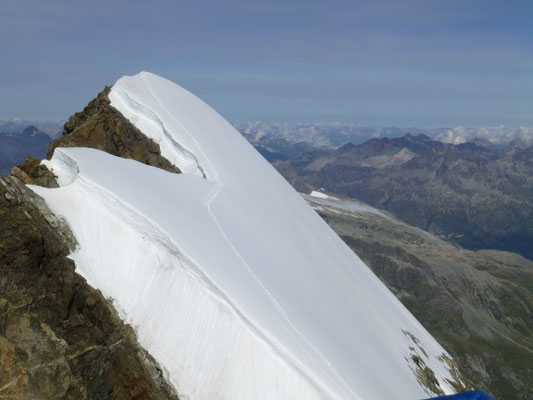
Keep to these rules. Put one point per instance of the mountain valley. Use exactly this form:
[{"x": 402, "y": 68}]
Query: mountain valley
[{"x": 478, "y": 196}]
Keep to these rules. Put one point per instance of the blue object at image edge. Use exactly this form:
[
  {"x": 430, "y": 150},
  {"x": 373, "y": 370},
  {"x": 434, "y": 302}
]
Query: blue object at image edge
[{"x": 475, "y": 395}]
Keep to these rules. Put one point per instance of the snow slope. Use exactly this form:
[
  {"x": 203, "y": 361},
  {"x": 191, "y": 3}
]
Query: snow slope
[
  {"x": 341, "y": 203},
  {"x": 231, "y": 281}
]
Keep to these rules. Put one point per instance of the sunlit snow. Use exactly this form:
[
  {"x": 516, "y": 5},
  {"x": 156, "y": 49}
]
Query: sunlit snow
[{"x": 231, "y": 281}]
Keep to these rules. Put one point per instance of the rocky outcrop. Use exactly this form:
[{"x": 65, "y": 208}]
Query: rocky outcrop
[
  {"x": 32, "y": 172},
  {"x": 102, "y": 127},
  {"x": 59, "y": 337},
  {"x": 478, "y": 305}
]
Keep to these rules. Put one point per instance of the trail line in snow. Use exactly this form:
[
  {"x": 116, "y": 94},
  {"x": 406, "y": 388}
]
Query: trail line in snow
[{"x": 278, "y": 307}]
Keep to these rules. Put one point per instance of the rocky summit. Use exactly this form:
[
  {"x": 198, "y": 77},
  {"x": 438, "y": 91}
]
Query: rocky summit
[{"x": 101, "y": 127}]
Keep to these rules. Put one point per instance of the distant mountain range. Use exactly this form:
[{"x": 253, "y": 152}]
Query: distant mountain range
[
  {"x": 334, "y": 135},
  {"x": 15, "y": 146},
  {"x": 15, "y": 125},
  {"x": 475, "y": 194}
]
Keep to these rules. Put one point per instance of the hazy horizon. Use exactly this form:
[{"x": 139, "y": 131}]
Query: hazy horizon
[
  {"x": 356, "y": 133},
  {"x": 412, "y": 63}
]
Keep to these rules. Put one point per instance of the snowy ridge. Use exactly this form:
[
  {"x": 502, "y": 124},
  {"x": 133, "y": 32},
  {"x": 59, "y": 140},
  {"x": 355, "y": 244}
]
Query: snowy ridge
[
  {"x": 130, "y": 108},
  {"x": 231, "y": 281},
  {"x": 157, "y": 253}
]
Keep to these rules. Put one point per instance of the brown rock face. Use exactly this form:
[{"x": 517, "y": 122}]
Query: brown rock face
[
  {"x": 31, "y": 172},
  {"x": 59, "y": 338},
  {"x": 102, "y": 127},
  {"x": 33, "y": 360}
]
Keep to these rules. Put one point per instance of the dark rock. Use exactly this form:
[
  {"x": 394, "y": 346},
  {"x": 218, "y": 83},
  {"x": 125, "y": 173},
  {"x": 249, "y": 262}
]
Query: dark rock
[
  {"x": 59, "y": 337},
  {"x": 32, "y": 172},
  {"x": 102, "y": 127}
]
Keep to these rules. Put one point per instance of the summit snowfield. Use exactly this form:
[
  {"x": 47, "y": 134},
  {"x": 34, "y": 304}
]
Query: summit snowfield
[{"x": 231, "y": 281}]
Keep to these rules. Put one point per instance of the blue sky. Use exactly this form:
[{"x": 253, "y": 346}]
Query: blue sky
[{"x": 421, "y": 63}]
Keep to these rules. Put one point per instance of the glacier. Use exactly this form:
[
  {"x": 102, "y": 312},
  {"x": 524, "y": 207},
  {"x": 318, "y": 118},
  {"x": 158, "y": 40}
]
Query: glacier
[{"x": 230, "y": 280}]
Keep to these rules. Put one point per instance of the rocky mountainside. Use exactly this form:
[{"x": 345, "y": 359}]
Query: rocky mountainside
[
  {"x": 479, "y": 305},
  {"x": 16, "y": 146},
  {"x": 59, "y": 337},
  {"x": 477, "y": 196},
  {"x": 334, "y": 135}
]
